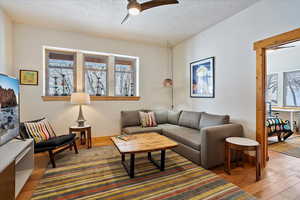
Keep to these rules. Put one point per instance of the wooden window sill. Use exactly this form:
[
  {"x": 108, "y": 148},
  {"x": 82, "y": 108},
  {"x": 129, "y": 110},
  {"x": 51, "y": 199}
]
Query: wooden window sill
[{"x": 93, "y": 98}]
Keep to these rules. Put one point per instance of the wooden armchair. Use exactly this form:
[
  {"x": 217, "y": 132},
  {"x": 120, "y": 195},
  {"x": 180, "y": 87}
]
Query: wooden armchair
[{"x": 53, "y": 145}]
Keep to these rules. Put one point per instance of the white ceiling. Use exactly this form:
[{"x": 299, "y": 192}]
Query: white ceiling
[{"x": 173, "y": 23}]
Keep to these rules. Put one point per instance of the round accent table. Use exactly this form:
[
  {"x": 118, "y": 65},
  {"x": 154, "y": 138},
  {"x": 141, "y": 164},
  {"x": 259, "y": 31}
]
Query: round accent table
[
  {"x": 85, "y": 131},
  {"x": 242, "y": 144}
]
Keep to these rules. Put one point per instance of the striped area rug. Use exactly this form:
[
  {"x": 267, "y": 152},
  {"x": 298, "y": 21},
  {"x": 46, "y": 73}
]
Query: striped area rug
[{"x": 98, "y": 174}]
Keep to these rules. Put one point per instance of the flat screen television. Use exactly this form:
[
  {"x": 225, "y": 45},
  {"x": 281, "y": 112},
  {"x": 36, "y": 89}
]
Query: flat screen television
[{"x": 9, "y": 108}]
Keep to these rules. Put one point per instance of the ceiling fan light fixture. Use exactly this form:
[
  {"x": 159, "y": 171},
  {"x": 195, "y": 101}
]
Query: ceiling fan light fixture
[
  {"x": 134, "y": 11},
  {"x": 134, "y": 8}
]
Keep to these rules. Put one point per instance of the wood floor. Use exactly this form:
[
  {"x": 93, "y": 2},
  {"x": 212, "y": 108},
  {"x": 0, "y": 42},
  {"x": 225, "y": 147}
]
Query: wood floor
[{"x": 280, "y": 180}]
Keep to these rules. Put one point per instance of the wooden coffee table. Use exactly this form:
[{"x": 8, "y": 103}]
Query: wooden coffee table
[{"x": 141, "y": 143}]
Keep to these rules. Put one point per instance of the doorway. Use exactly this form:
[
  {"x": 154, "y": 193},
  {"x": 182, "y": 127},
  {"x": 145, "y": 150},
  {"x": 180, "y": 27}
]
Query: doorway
[
  {"x": 283, "y": 98},
  {"x": 261, "y": 48}
]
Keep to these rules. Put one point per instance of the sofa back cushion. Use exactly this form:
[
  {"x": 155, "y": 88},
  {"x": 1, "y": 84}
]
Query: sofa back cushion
[
  {"x": 130, "y": 118},
  {"x": 173, "y": 117},
  {"x": 213, "y": 120},
  {"x": 161, "y": 116},
  {"x": 189, "y": 119}
]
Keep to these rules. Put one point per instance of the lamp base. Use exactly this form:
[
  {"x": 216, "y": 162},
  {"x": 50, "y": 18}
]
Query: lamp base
[{"x": 81, "y": 123}]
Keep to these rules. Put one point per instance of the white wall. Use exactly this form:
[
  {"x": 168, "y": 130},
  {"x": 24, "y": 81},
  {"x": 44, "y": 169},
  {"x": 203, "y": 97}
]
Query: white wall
[
  {"x": 231, "y": 42},
  {"x": 280, "y": 61},
  {"x": 104, "y": 116},
  {"x": 6, "y": 32}
]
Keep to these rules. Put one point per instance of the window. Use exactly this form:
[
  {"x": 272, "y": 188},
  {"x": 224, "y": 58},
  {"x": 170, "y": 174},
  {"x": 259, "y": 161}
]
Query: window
[
  {"x": 104, "y": 76},
  {"x": 60, "y": 73},
  {"x": 95, "y": 77},
  {"x": 125, "y": 84},
  {"x": 291, "y": 87}
]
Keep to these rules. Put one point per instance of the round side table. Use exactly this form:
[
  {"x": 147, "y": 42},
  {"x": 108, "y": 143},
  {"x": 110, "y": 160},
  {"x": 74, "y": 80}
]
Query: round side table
[
  {"x": 242, "y": 144},
  {"x": 85, "y": 131}
]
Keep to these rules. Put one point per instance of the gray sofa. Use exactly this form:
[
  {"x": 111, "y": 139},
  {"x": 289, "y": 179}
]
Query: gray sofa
[{"x": 200, "y": 135}]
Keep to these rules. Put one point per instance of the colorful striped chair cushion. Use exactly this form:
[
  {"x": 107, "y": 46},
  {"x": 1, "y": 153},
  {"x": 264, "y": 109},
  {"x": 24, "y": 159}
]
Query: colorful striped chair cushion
[
  {"x": 276, "y": 124},
  {"x": 147, "y": 119},
  {"x": 40, "y": 131}
]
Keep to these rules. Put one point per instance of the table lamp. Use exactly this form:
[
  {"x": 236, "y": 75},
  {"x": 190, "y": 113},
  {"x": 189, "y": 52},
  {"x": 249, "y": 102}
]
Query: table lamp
[{"x": 80, "y": 98}]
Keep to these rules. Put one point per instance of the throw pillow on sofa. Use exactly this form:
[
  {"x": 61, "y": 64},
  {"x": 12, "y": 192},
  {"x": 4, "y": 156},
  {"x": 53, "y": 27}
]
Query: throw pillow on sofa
[
  {"x": 147, "y": 119},
  {"x": 207, "y": 120}
]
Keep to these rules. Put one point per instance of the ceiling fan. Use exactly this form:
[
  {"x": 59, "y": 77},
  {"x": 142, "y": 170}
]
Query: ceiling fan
[{"x": 135, "y": 8}]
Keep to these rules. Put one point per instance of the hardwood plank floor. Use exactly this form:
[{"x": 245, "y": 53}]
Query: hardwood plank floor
[{"x": 280, "y": 179}]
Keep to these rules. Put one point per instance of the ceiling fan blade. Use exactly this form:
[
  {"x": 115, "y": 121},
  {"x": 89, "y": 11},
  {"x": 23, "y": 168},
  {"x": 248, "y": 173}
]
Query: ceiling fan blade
[
  {"x": 156, "y": 3},
  {"x": 125, "y": 19}
]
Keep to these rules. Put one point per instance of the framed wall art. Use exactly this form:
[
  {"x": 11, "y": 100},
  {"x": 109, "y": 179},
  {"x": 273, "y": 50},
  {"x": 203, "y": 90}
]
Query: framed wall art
[
  {"x": 29, "y": 77},
  {"x": 202, "y": 78},
  {"x": 272, "y": 89}
]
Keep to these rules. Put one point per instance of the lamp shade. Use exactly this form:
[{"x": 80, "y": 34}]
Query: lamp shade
[
  {"x": 168, "y": 82},
  {"x": 80, "y": 98}
]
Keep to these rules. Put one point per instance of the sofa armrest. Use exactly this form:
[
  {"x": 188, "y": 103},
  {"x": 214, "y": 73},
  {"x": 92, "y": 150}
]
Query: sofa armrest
[{"x": 213, "y": 143}]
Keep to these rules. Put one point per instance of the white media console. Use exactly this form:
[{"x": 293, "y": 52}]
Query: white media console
[{"x": 16, "y": 166}]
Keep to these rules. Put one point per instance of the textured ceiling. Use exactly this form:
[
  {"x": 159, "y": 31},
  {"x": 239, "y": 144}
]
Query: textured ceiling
[{"x": 173, "y": 23}]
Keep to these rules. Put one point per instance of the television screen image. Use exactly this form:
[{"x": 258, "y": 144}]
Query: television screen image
[{"x": 9, "y": 108}]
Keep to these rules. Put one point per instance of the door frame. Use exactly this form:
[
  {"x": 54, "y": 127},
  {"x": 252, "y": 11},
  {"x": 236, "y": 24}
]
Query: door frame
[{"x": 260, "y": 47}]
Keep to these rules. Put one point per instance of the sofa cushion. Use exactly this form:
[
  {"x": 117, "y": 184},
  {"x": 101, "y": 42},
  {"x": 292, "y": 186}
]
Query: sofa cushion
[
  {"x": 173, "y": 117},
  {"x": 130, "y": 118},
  {"x": 189, "y": 119},
  {"x": 56, "y": 141},
  {"x": 139, "y": 129},
  {"x": 213, "y": 120},
  {"x": 161, "y": 116},
  {"x": 187, "y": 136},
  {"x": 167, "y": 126}
]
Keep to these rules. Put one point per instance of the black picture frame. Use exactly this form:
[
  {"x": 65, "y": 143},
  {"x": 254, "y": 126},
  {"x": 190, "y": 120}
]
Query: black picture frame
[{"x": 202, "y": 63}]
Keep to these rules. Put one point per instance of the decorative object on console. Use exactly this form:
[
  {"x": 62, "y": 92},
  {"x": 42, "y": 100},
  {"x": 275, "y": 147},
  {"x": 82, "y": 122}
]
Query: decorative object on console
[
  {"x": 29, "y": 77},
  {"x": 80, "y": 98},
  {"x": 147, "y": 119},
  {"x": 202, "y": 78}
]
